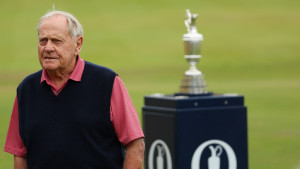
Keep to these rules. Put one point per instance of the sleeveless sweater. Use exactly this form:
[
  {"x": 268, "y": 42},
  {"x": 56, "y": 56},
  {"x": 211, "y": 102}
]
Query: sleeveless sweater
[{"x": 73, "y": 129}]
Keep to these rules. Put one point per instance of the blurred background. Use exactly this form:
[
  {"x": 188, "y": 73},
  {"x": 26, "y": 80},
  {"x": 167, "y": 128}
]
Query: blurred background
[{"x": 250, "y": 48}]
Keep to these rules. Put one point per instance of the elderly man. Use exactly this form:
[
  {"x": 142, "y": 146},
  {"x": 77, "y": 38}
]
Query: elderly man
[{"x": 72, "y": 114}]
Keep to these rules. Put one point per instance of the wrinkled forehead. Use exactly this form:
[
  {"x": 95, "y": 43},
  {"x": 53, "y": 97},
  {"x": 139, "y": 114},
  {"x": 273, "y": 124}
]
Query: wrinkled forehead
[{"x": 56, "y": 23}]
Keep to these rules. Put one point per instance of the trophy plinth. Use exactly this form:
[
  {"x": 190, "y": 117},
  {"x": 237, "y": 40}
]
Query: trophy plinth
[{"x": 193, "y": 81}]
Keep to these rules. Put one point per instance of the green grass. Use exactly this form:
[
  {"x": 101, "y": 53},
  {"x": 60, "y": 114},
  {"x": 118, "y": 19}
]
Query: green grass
[{"x": 250, "y": 47}]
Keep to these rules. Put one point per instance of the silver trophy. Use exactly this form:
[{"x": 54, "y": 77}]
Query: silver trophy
[{"x": 193, "y": 81}]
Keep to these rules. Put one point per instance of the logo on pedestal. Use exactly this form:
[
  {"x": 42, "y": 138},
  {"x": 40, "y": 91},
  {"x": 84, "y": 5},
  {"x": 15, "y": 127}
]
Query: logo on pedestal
[
  {"x": 214, "y": 161},
  {"x": 159, "y": 156}
]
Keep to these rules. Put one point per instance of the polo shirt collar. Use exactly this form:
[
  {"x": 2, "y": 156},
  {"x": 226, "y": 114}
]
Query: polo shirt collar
[{"x": 76, "y": 74}]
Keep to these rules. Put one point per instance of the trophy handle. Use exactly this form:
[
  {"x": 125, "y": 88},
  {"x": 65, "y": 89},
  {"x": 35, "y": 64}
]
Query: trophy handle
[{"x": 188, "y": 20}]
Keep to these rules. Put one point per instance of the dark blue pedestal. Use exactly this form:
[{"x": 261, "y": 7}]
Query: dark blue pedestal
[{"x": 195, "y": 132}]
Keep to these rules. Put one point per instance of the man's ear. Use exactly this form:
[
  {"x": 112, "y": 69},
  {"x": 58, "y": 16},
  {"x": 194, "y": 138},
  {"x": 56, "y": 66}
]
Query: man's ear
[{"x": 78, "y": 41}]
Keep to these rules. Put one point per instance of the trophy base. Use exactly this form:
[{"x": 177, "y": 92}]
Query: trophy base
[{"x": 193, "y": 84}]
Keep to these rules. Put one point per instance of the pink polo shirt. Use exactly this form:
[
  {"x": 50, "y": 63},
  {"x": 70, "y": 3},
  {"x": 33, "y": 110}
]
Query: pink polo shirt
[{"x": 122, "y": 113}]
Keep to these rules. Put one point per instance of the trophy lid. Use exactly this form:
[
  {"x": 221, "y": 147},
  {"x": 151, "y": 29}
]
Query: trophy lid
[
  {"x": 190, "y": 23},
  {"x": 192, "y": 36}
]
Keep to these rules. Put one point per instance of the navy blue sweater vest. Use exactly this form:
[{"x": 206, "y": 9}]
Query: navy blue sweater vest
[{"x": 73, "y": 129}]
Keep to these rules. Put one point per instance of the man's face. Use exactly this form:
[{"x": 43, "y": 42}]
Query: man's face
[{"x": 56, "y": 49}]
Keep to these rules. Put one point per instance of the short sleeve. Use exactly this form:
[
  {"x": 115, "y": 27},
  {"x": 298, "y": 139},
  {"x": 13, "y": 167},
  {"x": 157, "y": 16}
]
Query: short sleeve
[
  {"x": 123, "y": 114},
  {"x": 14, "y": 144}
]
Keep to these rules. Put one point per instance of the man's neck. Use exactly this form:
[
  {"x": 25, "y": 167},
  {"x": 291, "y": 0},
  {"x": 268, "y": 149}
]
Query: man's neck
[{"x": 60, "y": 76}]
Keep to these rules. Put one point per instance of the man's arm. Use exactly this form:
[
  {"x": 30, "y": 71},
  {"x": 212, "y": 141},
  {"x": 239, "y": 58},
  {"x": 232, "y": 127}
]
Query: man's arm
[
  {"x": 20, "y": 163},
  {"x": 134, "y": 154},
  {"x": 14, "y": 144}
]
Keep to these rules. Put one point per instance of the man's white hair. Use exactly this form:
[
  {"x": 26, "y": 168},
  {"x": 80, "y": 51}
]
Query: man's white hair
[{"x": 74, "y": 27}]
